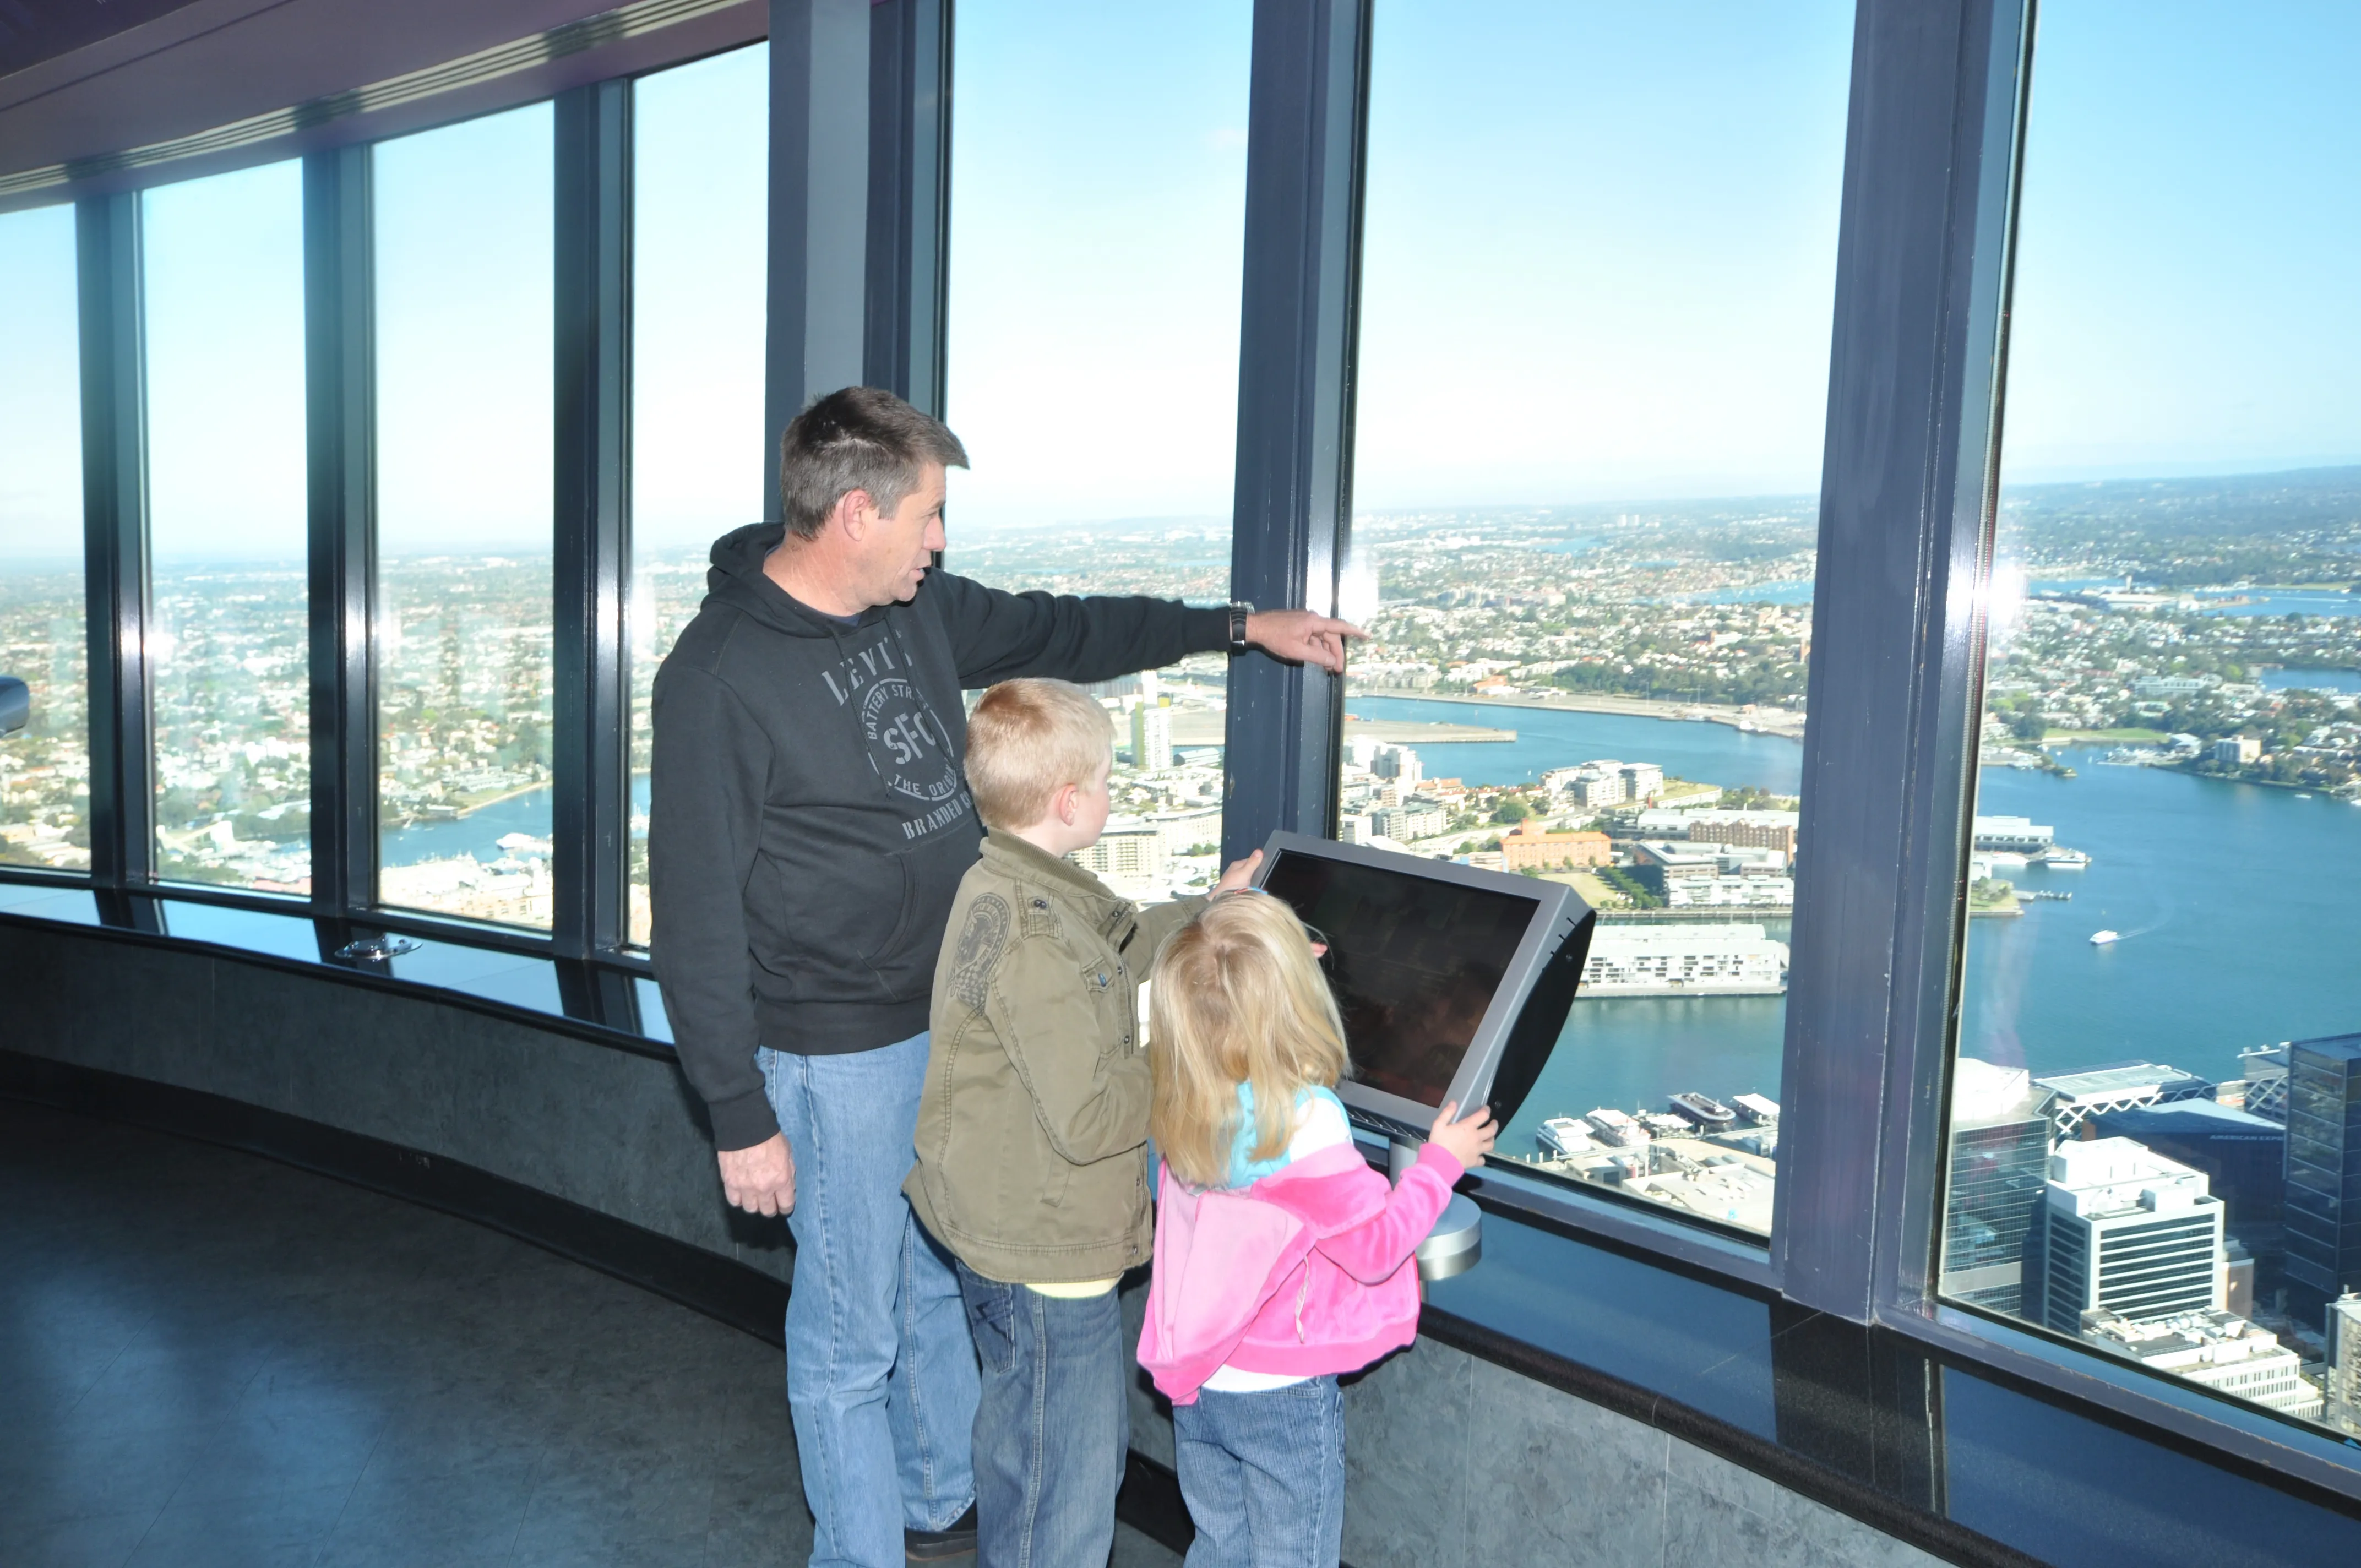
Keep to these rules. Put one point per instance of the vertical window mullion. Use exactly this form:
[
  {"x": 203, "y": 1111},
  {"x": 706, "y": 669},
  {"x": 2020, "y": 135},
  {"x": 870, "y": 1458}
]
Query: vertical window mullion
[
  {"x": 115, "y": 513},
  {"x": 592, "y": 501},
  {"x": 339, "y": 388},
  {"x": 1305, "y": 134}
]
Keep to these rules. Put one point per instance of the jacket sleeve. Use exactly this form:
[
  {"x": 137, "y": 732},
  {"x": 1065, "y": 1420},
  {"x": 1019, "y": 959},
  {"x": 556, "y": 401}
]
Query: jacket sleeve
[
  {"x": 710, "y": 768},
  {"x": 997, "y": 636},
  {"x": 1372, "y": 1250},
  {"x": 1092, "y": 1102},
  {"x": 1153, "y": 924}
]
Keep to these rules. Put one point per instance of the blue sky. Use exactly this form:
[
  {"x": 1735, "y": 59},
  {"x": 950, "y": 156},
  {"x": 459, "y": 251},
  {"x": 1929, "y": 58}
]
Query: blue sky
[{"x": 1600, "y": 252}]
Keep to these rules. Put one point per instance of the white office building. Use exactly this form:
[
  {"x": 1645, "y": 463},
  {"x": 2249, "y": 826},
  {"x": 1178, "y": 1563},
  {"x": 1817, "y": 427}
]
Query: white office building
[
  {"x": 2128, "y": 1232},
  {"x": 2218, "y": 1350},
  {"x": 1685, "y": 960}
]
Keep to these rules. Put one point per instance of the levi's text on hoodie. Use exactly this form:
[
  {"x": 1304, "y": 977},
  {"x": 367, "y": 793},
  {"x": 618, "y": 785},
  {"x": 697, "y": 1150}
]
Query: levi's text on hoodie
[{"x": 809, "y": 817}]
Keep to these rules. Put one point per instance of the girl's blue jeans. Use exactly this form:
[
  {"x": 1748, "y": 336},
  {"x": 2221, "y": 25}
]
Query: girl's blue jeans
[{"x": 1264, "y": 1475}]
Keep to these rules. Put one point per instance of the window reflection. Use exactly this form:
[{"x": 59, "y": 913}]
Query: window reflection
[
  {"x": 1098, "y": 166},
  {"x": 464, "y": 416},
  {"x": 228, "y": 637},
  {"x": 1598, "y": 264},
  {"x": 2155, "y": 1147},
  {"x": 45, "y": 767},
  {"x": 700, "y": 454}
]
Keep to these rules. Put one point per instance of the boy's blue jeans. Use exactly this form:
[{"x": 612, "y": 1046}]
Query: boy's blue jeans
[
  {"x": 1052, "y": 1425},
  {"x": 1264, "y": 1475},
  {"x": 881, "y": 1378}
]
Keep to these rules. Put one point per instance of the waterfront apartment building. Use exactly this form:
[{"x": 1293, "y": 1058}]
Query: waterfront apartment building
[
  {"x": 1129, "y": 856},
  {"x": 2125, "y": 1230},
  {"x": 2237, "y": 751},
  {"x": 2323, "y": 1171},
  {"x": 1642, "y": 782},
  {"x": 2013, "y": 835},
  {"x": 1685, "y": 960},
  {"x": 1999, "y": 1172},
  {"x": 1745, "y": 829},
  {"x": 1528, "y": 846}
]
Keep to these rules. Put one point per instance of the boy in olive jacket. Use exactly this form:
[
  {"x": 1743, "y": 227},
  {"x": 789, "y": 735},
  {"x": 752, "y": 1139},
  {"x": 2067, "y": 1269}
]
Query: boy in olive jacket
[{"x": 1032, "y": 1144}]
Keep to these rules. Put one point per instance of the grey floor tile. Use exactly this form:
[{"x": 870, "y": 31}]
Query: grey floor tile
[
  {"x": 1133, "y": 1550},
  {"x": 280, "y": 1530},
  {"x": 101, "y": 1540}
]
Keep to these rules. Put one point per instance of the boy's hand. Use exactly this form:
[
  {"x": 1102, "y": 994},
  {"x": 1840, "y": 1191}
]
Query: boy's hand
[
  {"x": 1239, "y": 876},
  {"x": 1468, "y": 1141}
]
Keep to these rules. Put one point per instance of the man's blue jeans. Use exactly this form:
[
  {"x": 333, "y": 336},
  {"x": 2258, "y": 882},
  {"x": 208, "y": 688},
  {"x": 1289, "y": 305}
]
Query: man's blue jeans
[
  {"x": 1052, "y": 1426},
  {"x": 1264, "y": 1475},
  {"x": 881, "y": 1373}
]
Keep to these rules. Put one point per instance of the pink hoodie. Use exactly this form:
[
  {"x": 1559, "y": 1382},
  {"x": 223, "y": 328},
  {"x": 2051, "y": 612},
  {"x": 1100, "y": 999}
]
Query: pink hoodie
[{"x": 1303, "y": 1272}]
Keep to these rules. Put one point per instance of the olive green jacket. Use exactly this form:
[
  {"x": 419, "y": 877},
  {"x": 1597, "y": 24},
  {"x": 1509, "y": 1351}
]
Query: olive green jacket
[{"x": 1033, "y": 1128}]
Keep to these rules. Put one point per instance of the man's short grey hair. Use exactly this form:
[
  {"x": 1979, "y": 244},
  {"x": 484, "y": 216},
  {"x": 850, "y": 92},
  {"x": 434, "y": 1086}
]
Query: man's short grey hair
[{"x": 857, "y": 439}]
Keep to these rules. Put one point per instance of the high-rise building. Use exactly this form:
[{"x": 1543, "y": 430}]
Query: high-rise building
[
  {"x": 1398, "y": 763},
  {"x": 2344, "y": 1363},
  {"x": 2244, "y": 1158},
  {"x": 2323, "y": 1170},
  {"x": 2118, "y": 1086},
  {"x": 2124, "y": 1230},
  {"x": 2000, "y": 1168},
  {"x": 2266, "y": 1077},
  {"x": 1151, "y": 733},
  {"x": 1642, "y": 782}
]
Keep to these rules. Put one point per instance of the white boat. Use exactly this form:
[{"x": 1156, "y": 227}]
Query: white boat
[
  {"x": 2300, "y": 796},
  {"x": 2063, "y": 860},
  {"x": 2103, "y": 939},
  {"x": 1564, "y": 1135}
]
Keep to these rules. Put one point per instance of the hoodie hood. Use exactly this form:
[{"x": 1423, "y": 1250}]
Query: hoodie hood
[{"x": 736, "y": 577}]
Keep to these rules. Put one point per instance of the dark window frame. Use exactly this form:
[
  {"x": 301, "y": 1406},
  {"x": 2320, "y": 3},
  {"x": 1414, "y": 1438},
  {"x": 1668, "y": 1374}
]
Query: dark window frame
[{"x": 1934, "y": 145}]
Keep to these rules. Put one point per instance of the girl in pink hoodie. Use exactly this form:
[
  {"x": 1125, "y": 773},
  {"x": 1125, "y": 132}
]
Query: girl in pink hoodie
[{"x": 1281, "y": 1258}]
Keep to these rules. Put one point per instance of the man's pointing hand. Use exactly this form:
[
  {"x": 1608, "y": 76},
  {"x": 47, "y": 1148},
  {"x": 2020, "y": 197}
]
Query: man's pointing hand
[{"x": 1302, "y": 638}]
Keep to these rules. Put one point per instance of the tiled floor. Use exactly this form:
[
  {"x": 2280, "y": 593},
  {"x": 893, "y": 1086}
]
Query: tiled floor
[{"x": 210, "y": 1358}]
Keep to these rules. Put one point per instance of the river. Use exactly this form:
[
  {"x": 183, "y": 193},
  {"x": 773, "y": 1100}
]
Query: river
[{"x": 2237, "y": 904}]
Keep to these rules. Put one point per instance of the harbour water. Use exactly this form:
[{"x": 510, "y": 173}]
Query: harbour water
[
  {"x": 479, "y": 833},
  {"x": 2235, "y": 903}
]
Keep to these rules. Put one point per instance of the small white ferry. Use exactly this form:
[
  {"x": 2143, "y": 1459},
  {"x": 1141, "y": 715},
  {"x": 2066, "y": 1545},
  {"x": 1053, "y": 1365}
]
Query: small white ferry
[{"x": 2103, "y": 939}]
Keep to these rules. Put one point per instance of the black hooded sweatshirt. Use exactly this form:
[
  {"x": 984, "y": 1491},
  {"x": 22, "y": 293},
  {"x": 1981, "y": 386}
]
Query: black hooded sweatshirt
[{"x": 810, "y": 818}]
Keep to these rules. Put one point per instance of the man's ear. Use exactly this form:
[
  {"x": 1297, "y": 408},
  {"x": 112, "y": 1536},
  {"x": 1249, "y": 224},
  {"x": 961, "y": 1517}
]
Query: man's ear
[{"x": 854, "y": 514}]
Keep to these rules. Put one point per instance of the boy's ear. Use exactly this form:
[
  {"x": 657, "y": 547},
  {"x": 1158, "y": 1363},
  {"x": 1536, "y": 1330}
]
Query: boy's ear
[{"x": 1062, "y": 803}]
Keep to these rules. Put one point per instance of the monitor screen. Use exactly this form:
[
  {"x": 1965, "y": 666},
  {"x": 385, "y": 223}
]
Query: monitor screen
[{"x": 1414, "y": 961}]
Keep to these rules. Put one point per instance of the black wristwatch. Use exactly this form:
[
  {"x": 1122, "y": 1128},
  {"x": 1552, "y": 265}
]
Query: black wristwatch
[{"x": 1239, "y": 610}]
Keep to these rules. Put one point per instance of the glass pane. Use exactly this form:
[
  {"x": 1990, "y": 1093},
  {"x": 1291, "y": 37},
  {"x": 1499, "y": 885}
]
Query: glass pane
[
  {"x": 699, "y": 458},
  {"x": 463, "y": 591},
  {"x": 1589, "y": 627},
  {"x": 2165, "y": 824},
  {"x": 1098, "y": 163},
  {"x": 45, "y": 767},
  {"x": 229, "y": 637}
]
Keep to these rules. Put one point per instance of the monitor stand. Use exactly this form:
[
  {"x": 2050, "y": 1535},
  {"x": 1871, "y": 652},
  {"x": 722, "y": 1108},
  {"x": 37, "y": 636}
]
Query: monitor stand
[{"x": 1456, "y": 1243}]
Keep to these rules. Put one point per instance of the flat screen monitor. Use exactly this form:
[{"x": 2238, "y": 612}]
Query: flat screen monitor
[{"x": 1452, "y": 982}]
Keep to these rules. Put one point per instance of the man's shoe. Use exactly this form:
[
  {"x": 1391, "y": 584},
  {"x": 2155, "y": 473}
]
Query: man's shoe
[{"x": 941, "y": 1545}]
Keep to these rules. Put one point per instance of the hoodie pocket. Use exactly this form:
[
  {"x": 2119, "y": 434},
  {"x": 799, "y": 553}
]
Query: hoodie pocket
[{"x": 880, "y": 958}]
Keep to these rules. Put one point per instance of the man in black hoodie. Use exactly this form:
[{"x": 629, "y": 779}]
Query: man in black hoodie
[{"x": 809, "y": 826}]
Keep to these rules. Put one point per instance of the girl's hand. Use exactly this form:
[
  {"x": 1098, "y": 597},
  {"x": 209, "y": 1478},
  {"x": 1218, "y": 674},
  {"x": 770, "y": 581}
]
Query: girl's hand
[
  {"x": 1468, "y": 1141},
  {"x": 1238, "y": 876}
]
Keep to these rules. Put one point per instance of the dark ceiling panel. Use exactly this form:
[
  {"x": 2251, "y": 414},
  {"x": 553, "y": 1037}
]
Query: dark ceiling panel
[
  {"x": 211, "y": 63},
  {"x": 34, "y": 30}
]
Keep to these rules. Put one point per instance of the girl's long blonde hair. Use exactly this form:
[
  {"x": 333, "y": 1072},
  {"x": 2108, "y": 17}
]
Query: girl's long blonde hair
[{"x": 1237, "y": 998}]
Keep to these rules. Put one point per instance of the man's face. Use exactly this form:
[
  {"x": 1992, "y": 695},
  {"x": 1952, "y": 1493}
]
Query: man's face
[{"x": 900, "y": 545}]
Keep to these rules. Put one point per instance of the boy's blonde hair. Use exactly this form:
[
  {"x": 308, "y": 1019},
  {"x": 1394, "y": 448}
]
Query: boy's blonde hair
[
  {"x": 1028, "y": 740},
  {"x": 1237, "y": 998}
]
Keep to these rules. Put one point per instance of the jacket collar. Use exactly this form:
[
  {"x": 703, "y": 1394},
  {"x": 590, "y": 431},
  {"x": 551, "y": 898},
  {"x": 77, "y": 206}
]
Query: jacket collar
[{"x": 1106, "y": 909}]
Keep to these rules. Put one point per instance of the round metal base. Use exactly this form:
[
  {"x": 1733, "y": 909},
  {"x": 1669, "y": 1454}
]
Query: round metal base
[{"x": 1456, "y": 1243}]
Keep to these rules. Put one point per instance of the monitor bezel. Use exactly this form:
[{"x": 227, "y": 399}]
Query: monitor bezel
[{"x": 1471, "y": 1085}]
